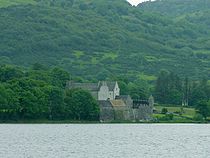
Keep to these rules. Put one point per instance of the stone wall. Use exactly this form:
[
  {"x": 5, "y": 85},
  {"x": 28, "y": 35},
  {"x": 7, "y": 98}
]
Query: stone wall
[
  {"x": 106, "y": 111},
  {"x": 103, "y": 93},
  {"x": 121, "y": 110},
  {"x": 144, "y": 112}
]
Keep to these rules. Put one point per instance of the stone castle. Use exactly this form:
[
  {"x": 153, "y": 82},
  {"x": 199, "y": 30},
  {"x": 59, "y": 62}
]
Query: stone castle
[{"x": 116, "y": 107}]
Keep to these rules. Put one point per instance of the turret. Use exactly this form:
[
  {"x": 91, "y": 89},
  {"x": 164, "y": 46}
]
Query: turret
[{"x": 151, "y": 101}]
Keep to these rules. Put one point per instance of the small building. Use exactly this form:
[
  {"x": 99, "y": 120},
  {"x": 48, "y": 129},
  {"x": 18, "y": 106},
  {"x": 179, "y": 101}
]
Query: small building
[{"x": 114, "y": 106}]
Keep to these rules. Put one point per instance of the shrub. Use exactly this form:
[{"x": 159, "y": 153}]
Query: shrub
[
  {"x": 164, "y": 110},
  {"x": 198, "y": 117}
]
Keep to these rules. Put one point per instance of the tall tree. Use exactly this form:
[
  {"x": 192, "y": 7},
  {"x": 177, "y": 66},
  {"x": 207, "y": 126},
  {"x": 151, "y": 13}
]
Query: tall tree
[{"x": 81, "y": 105}]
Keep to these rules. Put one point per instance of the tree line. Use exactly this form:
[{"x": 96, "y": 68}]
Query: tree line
[
  {"x": 39, "y": 93},
  {"x": 171, "y": 89}
]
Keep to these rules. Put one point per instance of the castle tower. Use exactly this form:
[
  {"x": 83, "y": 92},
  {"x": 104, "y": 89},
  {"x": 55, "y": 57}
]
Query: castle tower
[{"x": 151, "y": 101}]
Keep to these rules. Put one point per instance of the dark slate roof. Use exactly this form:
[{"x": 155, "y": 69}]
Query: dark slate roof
[
  {"x": 105, "y": 103},
  {"x": 111, "y": 85},
  {"x": 92, "y": 86},
  {"x": 87, "y": 86},
  {"x": 125, "y": 97}
]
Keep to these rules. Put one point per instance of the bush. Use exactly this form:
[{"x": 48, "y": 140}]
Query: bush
[
  {"x": 198, "y": 117},
  {"x": 164, "y": 110},
  {"x": 167, "y": 117}
]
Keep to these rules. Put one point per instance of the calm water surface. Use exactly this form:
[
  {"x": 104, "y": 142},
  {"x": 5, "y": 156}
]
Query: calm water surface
[{"x": 105, "y": 141}]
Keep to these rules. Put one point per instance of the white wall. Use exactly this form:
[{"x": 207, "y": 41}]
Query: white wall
[
  {"x": 103, "y": 93},
  {"x": 111, "y": 95},
  {"x": 116, "y": 90}
]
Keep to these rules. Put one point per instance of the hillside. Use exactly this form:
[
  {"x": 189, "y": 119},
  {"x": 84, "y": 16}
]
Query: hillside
[
  {"x": 7, "y": 3},
  {"x": 175, "y": 7},
  {"x": 103, "y": 38}
]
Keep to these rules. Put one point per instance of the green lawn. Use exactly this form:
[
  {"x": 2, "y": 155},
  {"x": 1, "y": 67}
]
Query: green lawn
[
  {"x": 7, "y": 3},
  {"x": 187, "y": 112},
  {"x": 186, "y": 116}
]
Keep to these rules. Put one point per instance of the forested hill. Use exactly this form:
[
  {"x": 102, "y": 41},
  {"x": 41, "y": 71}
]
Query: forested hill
[
  {"x": 97, "y": 39},
  {"x": 175, "y": 7}
]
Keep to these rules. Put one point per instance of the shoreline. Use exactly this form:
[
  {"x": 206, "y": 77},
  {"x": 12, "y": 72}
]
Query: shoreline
[{"x": 98, "y": 122}]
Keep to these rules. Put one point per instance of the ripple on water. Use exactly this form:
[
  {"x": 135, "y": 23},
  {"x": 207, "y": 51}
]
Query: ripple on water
[{"x": 105, "y": 141}]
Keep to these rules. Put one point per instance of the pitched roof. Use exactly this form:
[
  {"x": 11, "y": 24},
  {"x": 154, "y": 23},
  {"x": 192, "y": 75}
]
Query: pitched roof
[
  {"x": 92, "y": 86},
  {"x": 105, "y": 103},
  {"x": 124, "y": 97},
  {"x": 111, "y": 85},
  {"x": 87, "y": 86},
  {"x": 118, "y": 103}
]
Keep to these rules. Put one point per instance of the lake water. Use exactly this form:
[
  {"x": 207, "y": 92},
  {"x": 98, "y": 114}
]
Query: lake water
[{"x": 105, "y": 141}]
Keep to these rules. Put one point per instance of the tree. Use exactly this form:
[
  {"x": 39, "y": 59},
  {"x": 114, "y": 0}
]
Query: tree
[
  {"x": 55, "y": 99},
  {"x": 139, "y": 89},
  {"x": 200, "y": 90},
  {"x": 9, "y": 72},
  {"x": 8, "y": 103},
  {"x": 203, "y": 108},
  {"x": 161, "y": 87},
  {"x": 123, "y": 88},
  {"x": 168, "y": 88},
  {"x": 81, "y": 105},
  {"x": 164, "y": 111},
  {"x": 59, "y": 77}
]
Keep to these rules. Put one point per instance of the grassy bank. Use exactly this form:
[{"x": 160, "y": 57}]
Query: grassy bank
[
  {"x": 180, "y": 115},
  {"x": 176, "y": 114},
  {"x": 184, "y": 111}
]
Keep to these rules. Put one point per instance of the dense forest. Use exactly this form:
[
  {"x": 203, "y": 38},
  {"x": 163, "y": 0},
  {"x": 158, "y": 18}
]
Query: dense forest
[
  {"x": 99, "y": 39},
  {"x": 160, "y": 48},
  {"x": 39, "y": 93}
]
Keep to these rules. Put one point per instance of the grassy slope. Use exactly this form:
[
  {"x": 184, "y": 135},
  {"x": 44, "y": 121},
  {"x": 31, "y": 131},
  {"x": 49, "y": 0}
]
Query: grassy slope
[
  {"x": 186, "y": 117},
  {"x": 7, "y": 3},
  {"x": 188, "y": 112}
]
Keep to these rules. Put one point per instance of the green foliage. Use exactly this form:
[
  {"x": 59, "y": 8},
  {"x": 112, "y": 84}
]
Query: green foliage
[
  {"x": 168, "y": 88},
  {"x": 169, "y": 116},
  {"x": 198, "y": 117},
  {"x": 164, "y": 111},
  {"x": 199, "y": 91},
  {"x": 184, "y": 112},
  {"x": 7, "y": 3},
  {"x": 99, "y": 39},
  {"x": 203, "y": 108},
  {"x": 55, "y": 100},
  {"x": 59, "y": 77},
  {"x": 164, "y": 117},
  {"x": 9, "y": 73},
  {"x": 39, "y": 93},
  {"x": 171, "y": 89},
  {"x": 81, "y": 105},
  {"x": 139, "y": 89},
  {"x": 175, "y": 7}
]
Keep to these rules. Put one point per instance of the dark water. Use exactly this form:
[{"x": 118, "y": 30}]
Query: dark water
[{"x": 105, "y": 141}]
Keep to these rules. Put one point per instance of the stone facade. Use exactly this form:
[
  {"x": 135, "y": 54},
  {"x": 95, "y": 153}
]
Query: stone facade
[
  {"x": 107, "y": 112},
  {"x": 116, "y": 107},
  {"x": 122, "y": 111},
  {"x": 142, "y": 110}
]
